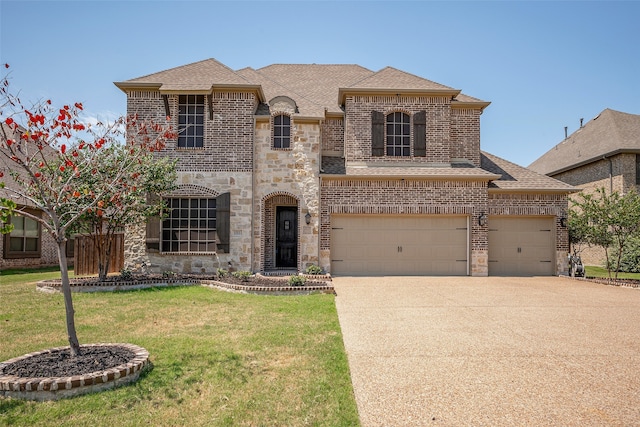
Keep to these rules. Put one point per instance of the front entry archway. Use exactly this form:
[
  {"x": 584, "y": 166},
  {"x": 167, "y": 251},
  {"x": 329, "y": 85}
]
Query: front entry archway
[
  {"x": 280, "y": 233},
  {"x": 286, "y": 237}
]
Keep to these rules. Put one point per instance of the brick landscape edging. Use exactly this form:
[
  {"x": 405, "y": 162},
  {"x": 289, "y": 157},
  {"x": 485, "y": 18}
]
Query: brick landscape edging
[
  {"x": 89, "y": 285},
  {"x": 54, "y": 388},
  {"x": 623, "y": 283}
]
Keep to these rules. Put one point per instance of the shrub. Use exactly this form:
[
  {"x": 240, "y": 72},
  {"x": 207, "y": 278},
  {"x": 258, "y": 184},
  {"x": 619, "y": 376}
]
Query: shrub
[
  {"x": 297, "y": 280},
  {"x": 168, "y": 274},
  {"x": 630, "y": 261},
  {"x": 242, "y": 275},
  {"x": 126, "y": 274},
  {"x": 314, "y": 269},
  {"x": 222, "y": 272}
]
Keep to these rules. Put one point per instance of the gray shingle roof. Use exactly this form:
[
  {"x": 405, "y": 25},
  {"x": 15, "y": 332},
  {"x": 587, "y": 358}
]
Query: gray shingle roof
[
  {"x": 518, "y": 178},
  {"x": 611, "y": 132}
]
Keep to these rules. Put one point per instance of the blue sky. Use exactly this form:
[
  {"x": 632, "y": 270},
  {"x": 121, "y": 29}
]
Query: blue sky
[{"x": 542, "y": 64}]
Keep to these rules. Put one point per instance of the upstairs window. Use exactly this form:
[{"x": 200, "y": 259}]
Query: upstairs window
[
  {"x": 190, "y": 121},
  {"x": 391, "y": 134},
  {"x": 24, "y": 239},
  {"x": 398, "y": 134},
  {"x": 281, "y": 131}
]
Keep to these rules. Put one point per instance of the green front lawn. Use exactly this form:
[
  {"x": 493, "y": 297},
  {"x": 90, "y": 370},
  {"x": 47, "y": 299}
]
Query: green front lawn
[
  {"x": 593, "y": 271},
  {"x": 219, "y": 358}
]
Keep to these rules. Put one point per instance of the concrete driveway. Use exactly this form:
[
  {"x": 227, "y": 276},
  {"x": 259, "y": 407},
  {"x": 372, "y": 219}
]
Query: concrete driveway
[{"x": 469, "y": 351}]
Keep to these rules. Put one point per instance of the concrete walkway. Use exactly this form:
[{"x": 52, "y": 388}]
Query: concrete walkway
[{"x": 471, "y": 351}]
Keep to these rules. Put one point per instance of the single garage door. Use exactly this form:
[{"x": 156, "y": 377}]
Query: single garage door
[
  {"x": 521, "y": 246},
  {"x": 399, "y": 245}
]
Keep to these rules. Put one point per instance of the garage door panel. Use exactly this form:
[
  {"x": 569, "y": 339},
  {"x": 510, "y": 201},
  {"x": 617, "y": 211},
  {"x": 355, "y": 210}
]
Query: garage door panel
[
  {"x": 399, "y": 245},
  {"x": 521, "y": 246}
]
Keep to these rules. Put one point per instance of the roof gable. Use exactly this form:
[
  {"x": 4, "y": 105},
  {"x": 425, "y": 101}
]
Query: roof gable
[
  {"x": 611, "y": 132},
  {"x": 198, "y": 76},
  {"x": 392, "y": 78}
]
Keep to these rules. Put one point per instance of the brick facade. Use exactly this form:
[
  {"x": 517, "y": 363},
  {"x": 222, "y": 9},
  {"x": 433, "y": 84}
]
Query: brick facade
[
  {"x": 615, "y": 173},
  {"x": 238, "y": 156},
  {"x": 358, "y": 111},
  {"x": 48, "y": 255}
]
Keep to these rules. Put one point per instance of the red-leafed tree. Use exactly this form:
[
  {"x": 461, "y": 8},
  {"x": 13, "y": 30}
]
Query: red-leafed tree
[{"x": 71, "y": 171}]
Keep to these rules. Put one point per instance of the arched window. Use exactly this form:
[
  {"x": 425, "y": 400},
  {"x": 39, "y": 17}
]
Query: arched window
[
  {"x": 398, "y": 134},
  {"x": 281, "y": 131}
]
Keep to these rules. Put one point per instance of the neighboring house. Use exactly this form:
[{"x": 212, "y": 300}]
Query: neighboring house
[
  {"x": 360, "y": 172},
  {"x": 27, "y": 245},
  {"x": 603, "y": 153}
]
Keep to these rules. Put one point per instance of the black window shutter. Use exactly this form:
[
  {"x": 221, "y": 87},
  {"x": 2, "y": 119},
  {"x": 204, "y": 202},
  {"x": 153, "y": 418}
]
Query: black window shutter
[
  {"x": 420, "y": 134},
  {"x": 153, "y": 227},
  {"x": 223, "y": 214},
  {"x": 377, "y": 133}
]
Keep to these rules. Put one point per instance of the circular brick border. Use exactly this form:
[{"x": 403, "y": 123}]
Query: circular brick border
[{"x": 54, "y": 388}]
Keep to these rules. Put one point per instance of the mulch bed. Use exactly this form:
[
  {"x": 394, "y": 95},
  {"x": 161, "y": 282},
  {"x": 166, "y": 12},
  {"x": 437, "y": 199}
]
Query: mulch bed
[
  {"x": 265, "y": 281},
  {"x": 258, "y": 281},
  {"x": 60, "y": 363}
]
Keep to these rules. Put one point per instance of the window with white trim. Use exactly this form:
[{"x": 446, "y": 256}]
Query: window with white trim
[{"x": 190, "y": 121}]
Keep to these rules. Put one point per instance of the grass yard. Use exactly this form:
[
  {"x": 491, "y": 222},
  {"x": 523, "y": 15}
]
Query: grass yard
[
  {"x": 219, "y": 358},
  {"x": 593, "y": 271}
]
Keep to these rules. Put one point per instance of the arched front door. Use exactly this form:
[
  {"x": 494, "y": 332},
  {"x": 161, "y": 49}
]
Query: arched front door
[{"x": 286, "y": 237}]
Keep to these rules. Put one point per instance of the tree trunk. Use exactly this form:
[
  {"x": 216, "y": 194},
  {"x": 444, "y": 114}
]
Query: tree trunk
[{"x": 68, "y": 302}]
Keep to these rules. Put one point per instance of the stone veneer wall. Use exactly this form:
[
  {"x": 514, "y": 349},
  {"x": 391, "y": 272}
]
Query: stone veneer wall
[
  {"x": 532, "y": 204},
  {"x": 465, "y": 134},
  {"x": 358, "y": 126},
  {"x": 402, "y": 197},
  {"x": 291, "y": 172},
  {"x": 223, "y": 164},
  {"x": 239, "y": 185}
]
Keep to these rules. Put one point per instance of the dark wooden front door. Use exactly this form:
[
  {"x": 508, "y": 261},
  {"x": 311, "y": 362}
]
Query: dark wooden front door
[{"x": 286, "y": 236}]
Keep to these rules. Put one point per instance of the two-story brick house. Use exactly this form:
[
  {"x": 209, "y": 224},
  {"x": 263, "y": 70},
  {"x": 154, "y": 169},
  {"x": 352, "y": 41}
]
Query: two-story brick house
[{"x": 360, "y": 172}]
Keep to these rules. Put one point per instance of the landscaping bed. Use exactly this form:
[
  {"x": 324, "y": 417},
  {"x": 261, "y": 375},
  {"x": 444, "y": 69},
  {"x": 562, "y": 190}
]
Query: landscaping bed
[
  {"x": 54, "y": 374},
  {"x": 257, "y": 284}
]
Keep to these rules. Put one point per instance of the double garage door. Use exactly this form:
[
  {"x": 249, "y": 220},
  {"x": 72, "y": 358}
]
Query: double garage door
[
  {"x": 437, "y": 245},
  {"x": 399, "y": 245}
]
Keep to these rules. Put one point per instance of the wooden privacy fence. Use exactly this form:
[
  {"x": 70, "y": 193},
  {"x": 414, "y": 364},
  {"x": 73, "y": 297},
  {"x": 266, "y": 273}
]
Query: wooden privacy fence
[{"x": 85, "y": 255}]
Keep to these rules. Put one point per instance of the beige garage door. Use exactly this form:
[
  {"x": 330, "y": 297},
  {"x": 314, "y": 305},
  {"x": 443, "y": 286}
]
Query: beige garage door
[
  {"x": 399, "y": 245},
  {"x": 521, "y": 246}
]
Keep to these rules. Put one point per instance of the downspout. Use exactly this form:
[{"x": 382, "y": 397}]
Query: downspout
[{"x": 610, "y": 173}]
